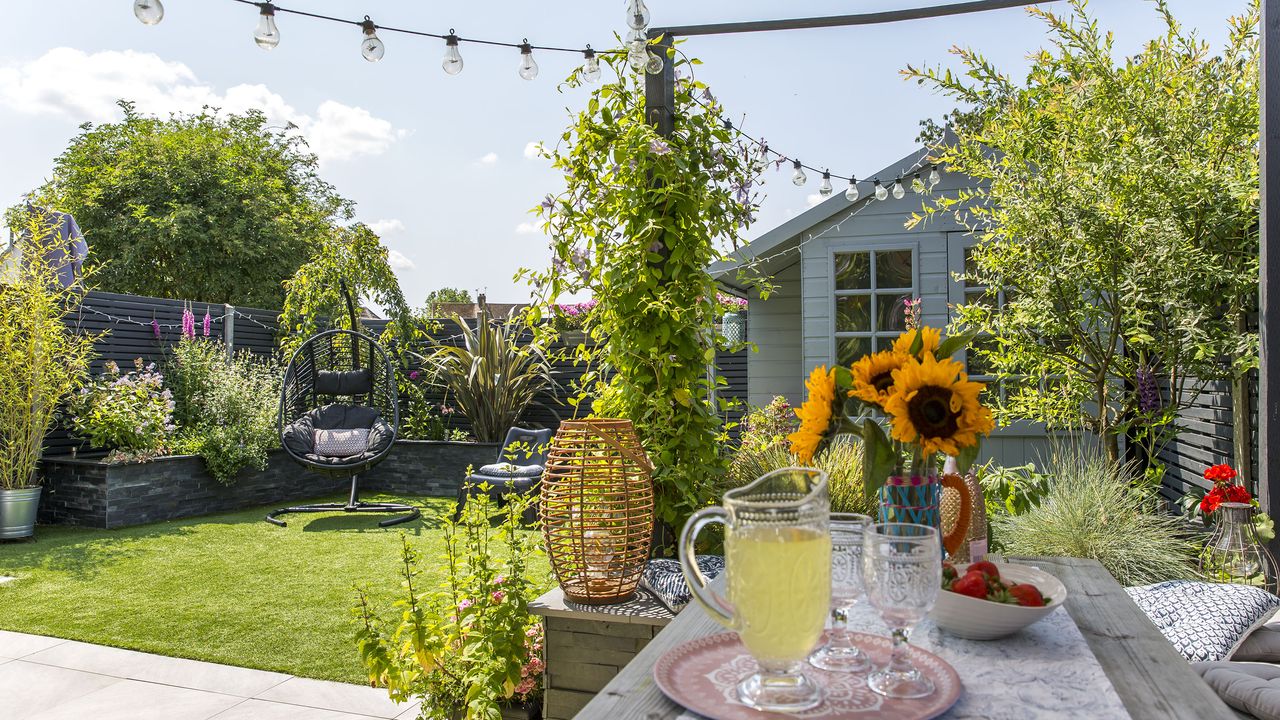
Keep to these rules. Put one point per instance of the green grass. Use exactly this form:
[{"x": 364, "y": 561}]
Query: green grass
[{"x": 225, "y": 588}]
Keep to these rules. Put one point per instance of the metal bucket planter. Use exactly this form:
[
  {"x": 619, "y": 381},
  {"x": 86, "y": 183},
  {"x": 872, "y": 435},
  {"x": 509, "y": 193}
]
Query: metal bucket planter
[{"x": 18, "y": 513}]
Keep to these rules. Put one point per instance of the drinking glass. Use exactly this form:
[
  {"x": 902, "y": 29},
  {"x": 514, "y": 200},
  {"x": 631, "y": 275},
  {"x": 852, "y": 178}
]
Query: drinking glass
[
  {"x": 902, "y": 568},
  {"x": 778, "y": 580},
  {"x": 839, "y": 653}
]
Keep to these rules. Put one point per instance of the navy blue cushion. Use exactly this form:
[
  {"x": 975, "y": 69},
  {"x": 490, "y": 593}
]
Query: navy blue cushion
[
  {"x": 1206, "y": 622},
  {"x": 508, "y": 470},
  {"x": 665, "y": 580}
]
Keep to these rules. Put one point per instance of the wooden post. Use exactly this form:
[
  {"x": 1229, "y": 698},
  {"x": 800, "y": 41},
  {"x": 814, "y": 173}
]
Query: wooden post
[
  {"x": 229, "y": 329},
  {"x": 1269, "y": 262}
]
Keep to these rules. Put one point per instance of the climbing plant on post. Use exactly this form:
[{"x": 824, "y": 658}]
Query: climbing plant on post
[{"x": 639, "y": 220}]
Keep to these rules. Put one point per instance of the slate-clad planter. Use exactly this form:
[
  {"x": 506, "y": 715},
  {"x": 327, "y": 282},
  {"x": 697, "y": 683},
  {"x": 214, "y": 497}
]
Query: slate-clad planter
[{"x": 86, "y": 491}]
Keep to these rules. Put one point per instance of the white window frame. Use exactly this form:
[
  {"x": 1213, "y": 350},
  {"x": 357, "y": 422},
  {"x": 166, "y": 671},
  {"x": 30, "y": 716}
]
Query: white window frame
[{"x": 833, "y": 294}]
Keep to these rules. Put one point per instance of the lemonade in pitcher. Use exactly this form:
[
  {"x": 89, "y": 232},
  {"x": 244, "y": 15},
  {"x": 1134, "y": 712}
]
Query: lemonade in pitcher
[{"x": 779, "y": 580}]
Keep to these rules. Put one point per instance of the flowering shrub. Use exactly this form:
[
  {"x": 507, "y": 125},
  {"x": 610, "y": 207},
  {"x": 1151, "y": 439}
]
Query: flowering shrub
[
  {"x": 731, "y": 303},
  {"x": 129, "y": 413},
  {"x": 1225, "y": 490},
  {"x": 421, "y": 419},
  {"x": 469, "y": 645},
  {"x": 573, "y": 316},
  {"x": 768, "y": 425}
]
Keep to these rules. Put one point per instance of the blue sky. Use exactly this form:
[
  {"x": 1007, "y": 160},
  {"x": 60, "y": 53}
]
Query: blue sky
[{"x": 438, "y": 164}]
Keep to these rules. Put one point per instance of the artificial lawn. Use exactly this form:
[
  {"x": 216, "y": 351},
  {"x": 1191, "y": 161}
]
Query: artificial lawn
[{"x": 226, "y": 588}]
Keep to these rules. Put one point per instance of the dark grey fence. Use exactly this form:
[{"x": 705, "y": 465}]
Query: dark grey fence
[{"x": 1206, "y": 437}]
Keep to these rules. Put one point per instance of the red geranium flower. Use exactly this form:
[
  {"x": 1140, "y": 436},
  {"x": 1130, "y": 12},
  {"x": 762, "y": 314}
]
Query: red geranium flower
[
  {"x": 1238, "y": 494},
  {"x": 1222, "y": 473},
  {"x": 1209, "y": 503}
]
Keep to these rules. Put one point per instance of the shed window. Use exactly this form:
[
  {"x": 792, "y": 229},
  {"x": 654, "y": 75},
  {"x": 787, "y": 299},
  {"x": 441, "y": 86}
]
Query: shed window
[
  {"x": 871, "y": 290},
  {"x": 977, "y": 367}
]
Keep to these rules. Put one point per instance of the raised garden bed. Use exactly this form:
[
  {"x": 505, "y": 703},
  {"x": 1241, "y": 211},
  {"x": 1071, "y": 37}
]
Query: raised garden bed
[{"x": 87, "y": 491}]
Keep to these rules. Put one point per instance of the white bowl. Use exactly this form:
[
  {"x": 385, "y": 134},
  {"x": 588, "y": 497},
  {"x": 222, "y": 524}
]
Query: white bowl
[{"x": 974, "y": 619}]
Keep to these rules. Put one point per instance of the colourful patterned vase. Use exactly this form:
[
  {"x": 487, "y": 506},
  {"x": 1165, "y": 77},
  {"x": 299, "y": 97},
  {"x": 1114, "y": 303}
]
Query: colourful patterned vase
[{"x": 918, "y": 500}]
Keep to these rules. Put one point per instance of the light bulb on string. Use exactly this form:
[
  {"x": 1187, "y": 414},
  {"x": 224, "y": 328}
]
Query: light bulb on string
[
  {"x": 637, "y": 15},
  {"x": 637, "y": 51},
  {"x": 934, "y": 177},
  {"x": 148, "y": 12},
  {"x": 654, "y": 64},
  {"x": 825, "y": 188},
  {"x": 880, "y": 190},
  {"x": 851, "y": 193},
  {"x": 371, "y": 47},
  {"x": 452, "y": 62},
  {"x": 798, "y": 177},
  {"x": 591, "y": 69},
  {"x": 528, "y": 66},
  {"x": 267, "y": 35},
  {"x": 917, "y": 185},
  {"x": 898, "y": 190}
]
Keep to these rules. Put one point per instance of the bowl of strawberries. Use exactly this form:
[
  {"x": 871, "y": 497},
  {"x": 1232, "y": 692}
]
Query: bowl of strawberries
[{"x": 986, "y": 600}]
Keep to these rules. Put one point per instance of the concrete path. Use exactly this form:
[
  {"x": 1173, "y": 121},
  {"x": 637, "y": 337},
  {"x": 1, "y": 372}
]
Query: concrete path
[{"x": 44, "y": 678}]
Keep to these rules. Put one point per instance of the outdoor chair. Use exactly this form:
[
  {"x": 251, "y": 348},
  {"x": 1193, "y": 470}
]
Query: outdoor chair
[
  {"x": 339, "y": 416},
  {"x": 518, "y": 470}
]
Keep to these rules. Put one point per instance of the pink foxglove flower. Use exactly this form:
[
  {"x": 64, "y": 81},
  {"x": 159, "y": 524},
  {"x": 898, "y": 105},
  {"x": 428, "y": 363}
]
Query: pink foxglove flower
[
  {"x": 208, "y": 323},
  {"x": 155, "y": 328},
  {"x": 188, "y": 323}
]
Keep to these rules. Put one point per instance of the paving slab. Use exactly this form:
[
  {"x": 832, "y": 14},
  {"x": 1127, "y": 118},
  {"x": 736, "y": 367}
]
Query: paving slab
[
  {"x": 16, "y": 645},
  {"x": 134, "y": 700},
  {"x": 335, "y": 696},
  {"x": 28, "y": 689},
  {"x": 181, "y": 672},
  {"x": 263, "y": 710}
]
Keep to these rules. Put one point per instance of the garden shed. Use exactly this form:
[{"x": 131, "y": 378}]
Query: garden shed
[{"x": 841, "y": 272}]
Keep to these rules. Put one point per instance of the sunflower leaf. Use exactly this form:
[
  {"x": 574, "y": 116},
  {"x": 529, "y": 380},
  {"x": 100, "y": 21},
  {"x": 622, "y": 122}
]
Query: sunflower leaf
[
  {"x": 844, "y": 378},
  {"x": 917, "y": 343},
  {"x": 952, "y": 345},
  {"x": 879, "y": 458},
  {"x": 968, "y": 456}
]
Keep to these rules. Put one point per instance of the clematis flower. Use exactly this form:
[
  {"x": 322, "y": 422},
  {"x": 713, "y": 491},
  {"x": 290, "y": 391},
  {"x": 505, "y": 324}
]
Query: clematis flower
[{"x": 658, "y": 146}]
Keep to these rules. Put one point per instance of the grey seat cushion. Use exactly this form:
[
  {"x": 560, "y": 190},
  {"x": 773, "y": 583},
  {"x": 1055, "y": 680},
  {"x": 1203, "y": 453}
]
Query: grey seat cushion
[
  {"x": 1261, "y": 645},
  {"x": 1249, "y": 687},
  {"x": 510, "y": 470},
  {"x": 1206, "y": 622},
  {"x": 300, "y": 435}
]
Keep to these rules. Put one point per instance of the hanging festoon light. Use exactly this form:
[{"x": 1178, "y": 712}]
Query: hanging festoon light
[
  {"x": 528, "y": 66},
  {"x": 917, "y": 185},
  {"x": 825, "y": 188},
  {"x": 851, "y": 192},
  {"x": 371, "y": 47},
  {"x": 798, "y": 177},
  {"x": 591, "y": 68},
  {"x": 148, "y": 12},
  {"x": 655, "y": 63},
  {"x": 880, "y": 191},
  {"x": 898, "y": 190},
  {"x": 267, "y": 35},
  {"x": 934, "y": 177},
  {"x": 452, "y": 62},
  {"x": 637, "y": 51},
  {"x": 637, "y": 15}
]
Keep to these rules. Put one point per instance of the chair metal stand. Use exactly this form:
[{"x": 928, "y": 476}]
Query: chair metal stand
[{"x": 353, "y": 505}]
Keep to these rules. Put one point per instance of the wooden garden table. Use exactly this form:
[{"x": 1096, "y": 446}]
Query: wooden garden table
[{"x": 1151, "y": 678}]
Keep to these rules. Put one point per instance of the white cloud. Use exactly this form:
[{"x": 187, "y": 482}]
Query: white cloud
[
  {"x": 490, "y": 159},
  {"x": 813, "y": 199},
  {"x": 399, "y": 262},
  {"x": 386, "y": 227},
  {"x": 84, "y": 86},
  {"x": 527, "y": 228},
  {"x": 533, "y": 150}
]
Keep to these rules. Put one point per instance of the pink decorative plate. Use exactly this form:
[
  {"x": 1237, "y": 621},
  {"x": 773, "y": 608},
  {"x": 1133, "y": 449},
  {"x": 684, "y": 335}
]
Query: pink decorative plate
[{"x": 703, "y": 675}]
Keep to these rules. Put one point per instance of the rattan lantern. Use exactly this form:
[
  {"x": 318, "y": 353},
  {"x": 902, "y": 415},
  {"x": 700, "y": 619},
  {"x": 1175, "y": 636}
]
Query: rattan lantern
[{"x": 597, "y": 509}]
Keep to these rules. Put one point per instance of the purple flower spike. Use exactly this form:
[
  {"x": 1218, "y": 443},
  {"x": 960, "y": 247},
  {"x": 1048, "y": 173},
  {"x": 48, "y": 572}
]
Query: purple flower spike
[
  {"x": 155, "y": 328},
  {"x": 208, "y": 323},
  {"x": 1148, "y": 391},
  {"x": 188, "y": 323}
]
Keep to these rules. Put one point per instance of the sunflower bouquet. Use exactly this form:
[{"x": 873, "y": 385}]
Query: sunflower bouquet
[{"x": 926, "y": 400}]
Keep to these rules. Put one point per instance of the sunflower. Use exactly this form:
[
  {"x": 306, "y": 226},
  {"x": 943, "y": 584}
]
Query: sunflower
[
  {"x": 931, "y": 339},
  {"x": 873, "y": 376},
  {"x": 935, "y": 405},
  {"x": 815, "y": 414}
]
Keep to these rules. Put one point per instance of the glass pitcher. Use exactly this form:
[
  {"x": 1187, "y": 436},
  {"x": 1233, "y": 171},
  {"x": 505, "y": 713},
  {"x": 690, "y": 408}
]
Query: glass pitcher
[{"x": 778, "y": 568}]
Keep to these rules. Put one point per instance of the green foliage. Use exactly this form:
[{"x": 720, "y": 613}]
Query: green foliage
[
  {"x": 226, "y": 408},
  {"x": 491, "y": 377},
  {"x": 445, "y": 295},
  {"x": 1012, "y": 490},
  {"x": 129, "y": 413},
  {"x": 41, "y": 360},
  {"x": 210, "y": 207},
  {"x": 841, "y": 460},
  {"x": 1117, "y": 206},
  {"x": 471, "y": 643},
  {"x": 1093, "y": 510},
  {"x": 421, "y": 419},
  {"x": 640, "y": 219},
  {"x": 768, "y": 425},
  {"x": 351, "y": 256}
]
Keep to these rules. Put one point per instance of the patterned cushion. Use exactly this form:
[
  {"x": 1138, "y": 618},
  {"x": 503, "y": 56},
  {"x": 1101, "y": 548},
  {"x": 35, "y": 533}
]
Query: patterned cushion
[
  {"x": 665, "y": 580},
  {"x": 1206, "y": 622},
  {"x": 341, "y": 443},
  {"x": 509, "y": 470}
]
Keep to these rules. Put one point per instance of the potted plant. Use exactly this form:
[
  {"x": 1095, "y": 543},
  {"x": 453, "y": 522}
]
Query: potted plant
[{"x": 42, "y": 361}]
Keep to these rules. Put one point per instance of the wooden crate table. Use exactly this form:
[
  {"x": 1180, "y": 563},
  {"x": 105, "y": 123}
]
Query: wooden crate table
[
  {"x": 587, "y": 645},
  {"x": 1148, "y": 679}
]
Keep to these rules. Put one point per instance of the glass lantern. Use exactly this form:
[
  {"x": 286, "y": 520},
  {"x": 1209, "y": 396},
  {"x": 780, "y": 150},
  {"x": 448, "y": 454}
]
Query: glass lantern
[{"x": 1234, "y": 553}]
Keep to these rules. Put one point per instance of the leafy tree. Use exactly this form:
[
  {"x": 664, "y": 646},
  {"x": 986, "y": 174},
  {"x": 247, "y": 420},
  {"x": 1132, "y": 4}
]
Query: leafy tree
[
  {"x": 435, "y": 298},
  {"x": 210, "y": 207},
  {"x": 640, "y": 219},
  {"x": 1117, "y": 205}
]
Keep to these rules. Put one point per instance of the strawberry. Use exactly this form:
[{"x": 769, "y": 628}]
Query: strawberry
[
  {"x": 1027, "y": 595},
  {"x": 986, "y": 568},
  {"x": 973, "y": 584},
  {"x": 948, "y": 573}
]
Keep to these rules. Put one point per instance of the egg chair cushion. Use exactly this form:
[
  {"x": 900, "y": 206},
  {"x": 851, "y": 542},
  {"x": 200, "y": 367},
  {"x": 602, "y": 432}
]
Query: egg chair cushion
[{"x": 300, "y": 435}]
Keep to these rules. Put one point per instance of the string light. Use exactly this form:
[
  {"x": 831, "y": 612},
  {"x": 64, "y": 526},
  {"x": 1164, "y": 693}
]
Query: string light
[
  {"x": 267, "y": 35},
  {"x": 637, "y": 15},
  {"x": 528, "y": 66},
  {"x": 591, "y": 68},
  {"x": 452, "y": 62},
  {"x": 654, "y": 64},
  {"x": 371, "y": 47},
  {"x": 148, "y": 12},
  {"x": 898, "y": 191},
  {"x": 917, "y": 185},
  {"x": 851, "y": 193},
  {"x": 934, "y": 177},
  {"x": 825, "y": 188},
  {"x": 798, "y": 178},
  {"x": 880, "y": 192}
]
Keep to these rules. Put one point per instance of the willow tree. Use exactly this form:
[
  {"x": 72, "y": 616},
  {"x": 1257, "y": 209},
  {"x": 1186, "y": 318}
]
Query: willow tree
[
  {"x": 638, "y": 222},
  {"x": 1116, "y": 205}
]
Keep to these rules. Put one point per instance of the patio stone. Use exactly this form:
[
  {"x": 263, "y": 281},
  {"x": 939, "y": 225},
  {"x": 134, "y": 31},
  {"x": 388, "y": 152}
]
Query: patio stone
[
  {"x": 194, "y": 674},
  {"x": 43, "y": 688},
  {"x": 16, "y": 645},
  {"x": 335, "y": 696},
  {"x": 133, "y": 700},
  {"x": 263, "y": 710}
]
